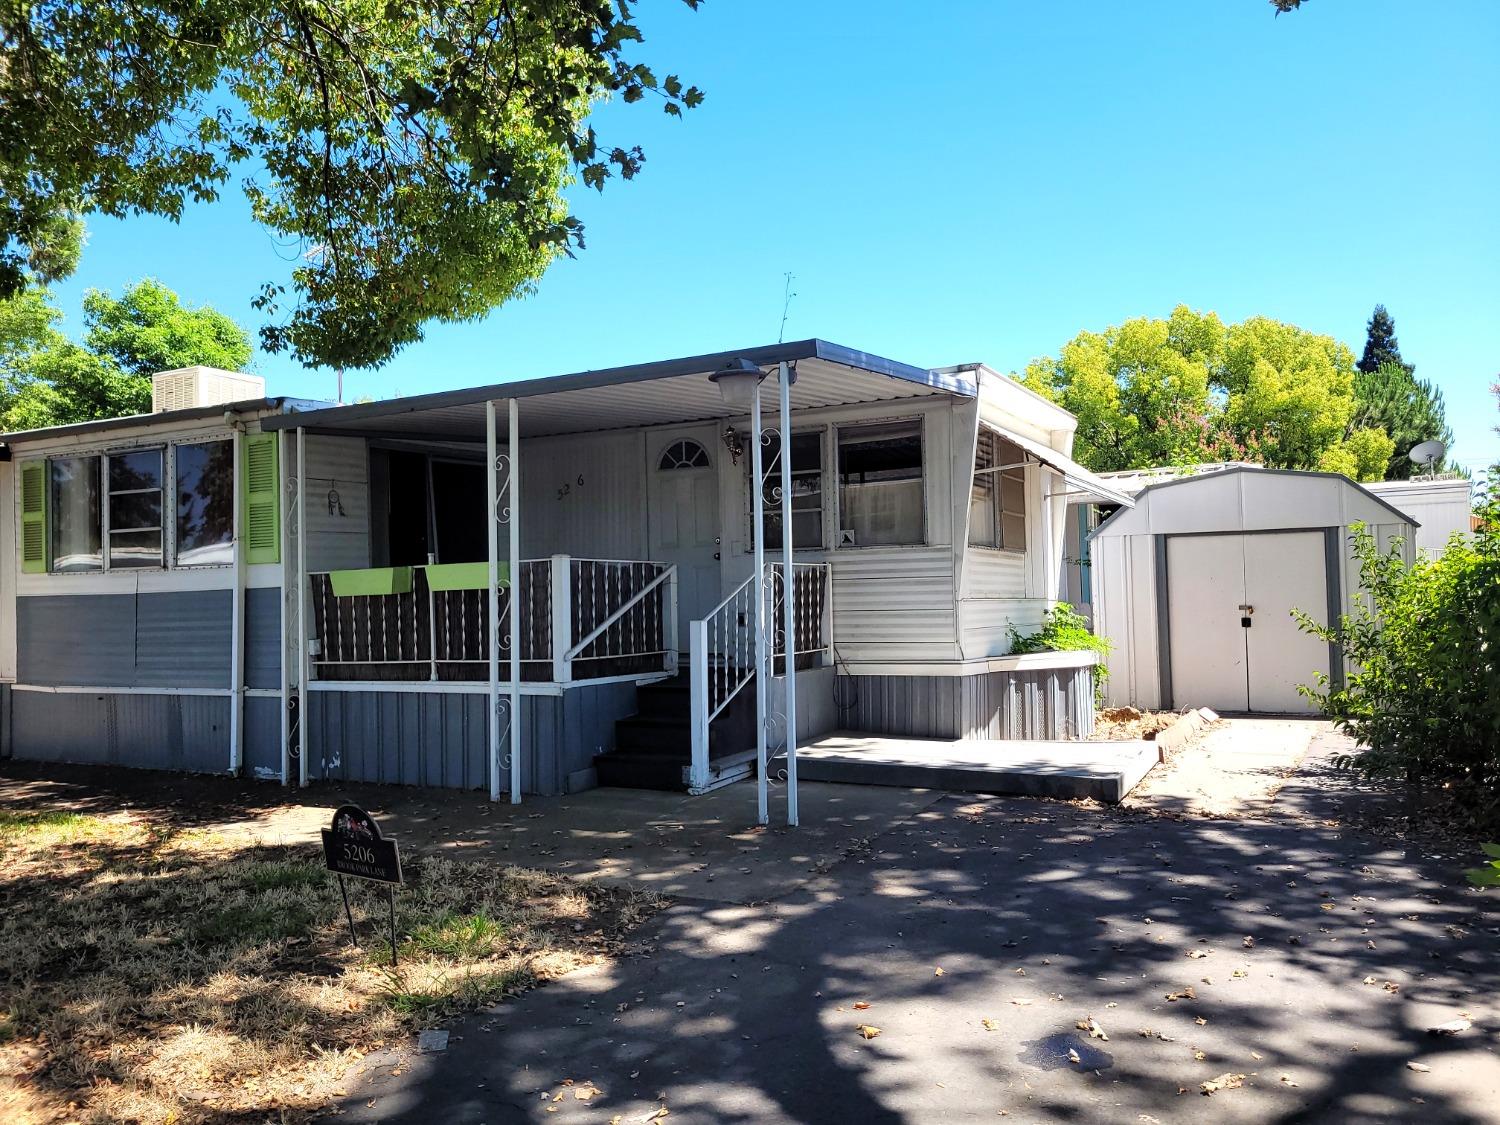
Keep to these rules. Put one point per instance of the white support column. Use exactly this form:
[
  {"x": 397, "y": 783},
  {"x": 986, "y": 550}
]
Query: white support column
[
  {"x": 283, "y": 491},
  {"x": 562, "y": 618},
  {"x": 237, "y": 615},
  {"x": 513, "y": 504},
  {"x": 304, "y": 665},
  {"x": 762, "y": 663},
  {"x": 788, "y": 602},
  {"x": 492, "y": 523}
]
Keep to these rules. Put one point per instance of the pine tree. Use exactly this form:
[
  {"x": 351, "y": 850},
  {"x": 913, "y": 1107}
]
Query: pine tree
[
  {"x": 1409, "y": 409},
  {"x": 1380, "y": 343}
]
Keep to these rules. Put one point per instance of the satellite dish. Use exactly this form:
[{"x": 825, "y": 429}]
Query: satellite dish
[{"x": 1428, "y": 453}]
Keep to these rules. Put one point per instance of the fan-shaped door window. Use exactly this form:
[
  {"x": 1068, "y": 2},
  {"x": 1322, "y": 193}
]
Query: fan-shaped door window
[{"x": 684, "y": 454}]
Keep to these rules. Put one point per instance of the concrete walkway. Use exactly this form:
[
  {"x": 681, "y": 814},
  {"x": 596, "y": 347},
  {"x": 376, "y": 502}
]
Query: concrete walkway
[
  {"x": 1235, "y": 769},
  {"x": 977, "y": 937}
]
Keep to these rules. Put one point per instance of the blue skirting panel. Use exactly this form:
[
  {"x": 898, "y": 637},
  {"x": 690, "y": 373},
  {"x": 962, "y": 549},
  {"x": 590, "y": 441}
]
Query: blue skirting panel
[
  {"x": 172, "y": 640},
  {"x": 168, "y": 732},
  {"x": 441, "y": 739},
  {"x": 260, "y": 742}
]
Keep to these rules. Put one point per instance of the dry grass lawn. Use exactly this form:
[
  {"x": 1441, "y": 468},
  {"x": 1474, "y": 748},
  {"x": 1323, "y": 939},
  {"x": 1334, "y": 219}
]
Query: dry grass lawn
[{"x": 160, "y": 975}]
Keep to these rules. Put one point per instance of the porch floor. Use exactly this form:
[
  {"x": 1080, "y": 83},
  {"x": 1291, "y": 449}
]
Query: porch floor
[{"x": 1105, "y": 771}]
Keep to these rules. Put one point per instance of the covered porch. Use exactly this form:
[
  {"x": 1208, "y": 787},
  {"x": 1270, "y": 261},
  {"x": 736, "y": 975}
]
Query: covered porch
[{"x": 577, "y": 558}]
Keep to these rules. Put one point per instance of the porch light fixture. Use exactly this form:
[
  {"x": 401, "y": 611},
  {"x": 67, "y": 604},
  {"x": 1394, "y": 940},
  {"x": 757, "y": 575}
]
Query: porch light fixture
[{"x": 737, "y": 381}]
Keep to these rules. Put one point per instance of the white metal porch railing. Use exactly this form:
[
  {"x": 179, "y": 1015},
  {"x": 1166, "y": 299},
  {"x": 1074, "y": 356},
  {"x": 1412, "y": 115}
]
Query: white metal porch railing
[
  {"x": 616, "y": 617},
  {"x": 722, "y": 645}
]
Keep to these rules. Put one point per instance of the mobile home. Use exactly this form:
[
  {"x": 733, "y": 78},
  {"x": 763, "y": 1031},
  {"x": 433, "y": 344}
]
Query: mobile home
[{"x": 536, "y": 585}]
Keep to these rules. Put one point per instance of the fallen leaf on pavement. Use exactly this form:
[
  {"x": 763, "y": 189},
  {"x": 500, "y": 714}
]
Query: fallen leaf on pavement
[
  {"x": 1287, "y": 1079},
  {"x": 990, "y": 1025},
  {"x": 1452, "y": 1027},
  {"x": 1197, "y": 954},
  {"x": 937, "y": 972},
  {"x": 1073, "y": 1056},
  {"x": 1186, "y": 994},
  {"x": 1223, "y": 1082},
  {"x": 867, "y": 1031},
  {"x": 1371, "y": 980},
  {"x": 1249, "y": 942},
  {"x": 1091, "y": 1025},
  {"x": 1199, "y": 1055},
  {"x": 1420, "y": 1068},
  {"x": 861, "y": 1005}
]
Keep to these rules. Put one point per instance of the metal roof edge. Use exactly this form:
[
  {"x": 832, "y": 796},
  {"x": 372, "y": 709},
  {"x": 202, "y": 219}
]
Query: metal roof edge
[
  {"x": 279, "y": 403},
  {"x": 764, "y": 354},
  {"x": 1259, "y": 470}
]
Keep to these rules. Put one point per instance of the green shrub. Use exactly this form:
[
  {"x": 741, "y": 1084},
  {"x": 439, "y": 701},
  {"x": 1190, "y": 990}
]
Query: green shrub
[
  {"x": 1064, "y": 630},
  {"x": 1422, "y": 697}
]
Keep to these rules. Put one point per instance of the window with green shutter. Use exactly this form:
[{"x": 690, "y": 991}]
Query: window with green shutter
[
  {"x": 34, "y": 517},
  {"x": 262, "y": 499}
]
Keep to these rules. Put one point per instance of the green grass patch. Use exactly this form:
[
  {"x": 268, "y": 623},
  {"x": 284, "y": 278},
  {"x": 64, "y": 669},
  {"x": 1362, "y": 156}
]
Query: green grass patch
[
  {"x": 283, "y": 876},
  {"x": 61, "y": 825},
  {"x": 464, "y": 936},
  {"x": 257, "y": 922}
]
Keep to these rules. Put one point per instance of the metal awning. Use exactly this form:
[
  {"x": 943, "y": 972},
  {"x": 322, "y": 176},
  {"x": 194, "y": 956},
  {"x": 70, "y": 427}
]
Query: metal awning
[
  {"x": 668, "y": 392},
  {"x": 1085, "y": 486}
]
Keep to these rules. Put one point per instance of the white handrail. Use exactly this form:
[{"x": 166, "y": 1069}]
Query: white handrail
[{"x": 620, "y": 612}]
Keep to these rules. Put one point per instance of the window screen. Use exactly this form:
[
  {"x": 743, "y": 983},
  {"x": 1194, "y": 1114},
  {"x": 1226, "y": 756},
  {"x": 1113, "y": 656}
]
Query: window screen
[
  {"x": 205, "y": 503},
  {"x": 880, "y": 484},
  {"x": 135, "y": 523},
  {"x": 807, "y": 490},
  {"x": 75, "y": 513},
  {"x": 997, "y": 504}
]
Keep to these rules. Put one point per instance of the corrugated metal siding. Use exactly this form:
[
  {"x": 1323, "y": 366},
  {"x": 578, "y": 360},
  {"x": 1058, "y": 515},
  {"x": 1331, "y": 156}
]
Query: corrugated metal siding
[
  {"x": 442, "y": 740},
  {"x": 176, "y": 639},
  {"x": 584, "y": 496},
  {"x": 338, "y": 534},
  {"x": 182, "y": 639},
  {"x": 994, "y": 574},
  {"x": 261, "y": 738},
  {"x": 171, "y": 732},
  {"x": 986, "y": 623},
  {"x": 1045, "y": 703},
  {"x": 894, "y": 604},
  {"x": 263, "y": 637}
]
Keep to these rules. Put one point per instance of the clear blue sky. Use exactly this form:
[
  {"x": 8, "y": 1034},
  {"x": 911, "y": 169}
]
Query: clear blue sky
[{"x": 979, "y": 181}]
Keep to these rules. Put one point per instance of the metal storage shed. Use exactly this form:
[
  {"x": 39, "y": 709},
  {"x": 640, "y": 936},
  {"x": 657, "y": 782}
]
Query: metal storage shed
[{"x": 1195, "y": 586}]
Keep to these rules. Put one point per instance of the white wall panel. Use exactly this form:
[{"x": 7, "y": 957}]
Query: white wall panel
[{"x": 337, "y": 493}]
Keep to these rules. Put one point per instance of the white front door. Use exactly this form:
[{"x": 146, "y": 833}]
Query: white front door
[
  {"x": 683, "y": 518},
  {"x": 1233, "y": 641}
]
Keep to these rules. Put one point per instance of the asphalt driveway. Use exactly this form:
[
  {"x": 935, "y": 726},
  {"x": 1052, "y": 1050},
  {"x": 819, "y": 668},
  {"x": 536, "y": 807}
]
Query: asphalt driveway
[{"x": 1306, "y": 957}]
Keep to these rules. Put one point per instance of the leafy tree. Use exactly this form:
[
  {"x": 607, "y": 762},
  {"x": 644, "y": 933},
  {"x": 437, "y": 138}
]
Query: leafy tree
[
  {"x": 148, "y": 330},
  {"x": 1381, "y": 347},
  {"x": 1189, "y": 389},
  {"x": 1422, "y": 647},
  {"x": 47, "y": 379},
  {"x": 414, "y": 150},
  {"x": 1411, "y": 410}
]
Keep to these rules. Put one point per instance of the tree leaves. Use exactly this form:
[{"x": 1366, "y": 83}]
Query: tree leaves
[
  {"x": 414, "y": 152},
  {"x": 1190, "y": 389}
]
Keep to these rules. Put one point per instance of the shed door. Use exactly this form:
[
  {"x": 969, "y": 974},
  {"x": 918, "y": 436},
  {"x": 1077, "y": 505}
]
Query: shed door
[
  {"x": 683, "y": 515},
  {"x": 1234, "y": 644}
]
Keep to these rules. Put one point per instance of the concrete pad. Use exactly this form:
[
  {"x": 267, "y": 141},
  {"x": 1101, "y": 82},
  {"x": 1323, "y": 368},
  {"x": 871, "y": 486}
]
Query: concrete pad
[
  {"x": 1233, "y": 770},
  {"x": 1105, "y": 771}
]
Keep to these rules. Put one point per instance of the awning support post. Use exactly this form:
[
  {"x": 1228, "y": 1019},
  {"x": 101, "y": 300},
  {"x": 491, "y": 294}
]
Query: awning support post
[
  {"x": 762, "y": 591},
  {"x": 788, "y": 600}
]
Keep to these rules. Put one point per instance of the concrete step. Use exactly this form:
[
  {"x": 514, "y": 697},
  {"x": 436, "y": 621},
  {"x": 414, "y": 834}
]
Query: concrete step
[{"x": 1105, "y": 771}]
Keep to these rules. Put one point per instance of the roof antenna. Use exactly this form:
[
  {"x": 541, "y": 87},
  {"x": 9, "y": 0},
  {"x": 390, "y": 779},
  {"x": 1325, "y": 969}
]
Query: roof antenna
[{"x": 786, "y": 304}]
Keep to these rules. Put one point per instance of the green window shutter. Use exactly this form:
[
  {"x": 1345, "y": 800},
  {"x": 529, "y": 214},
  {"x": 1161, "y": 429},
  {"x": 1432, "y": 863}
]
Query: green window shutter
[
  {"x": 262, "y": 499},
  {"x": 34, "y": 517}
]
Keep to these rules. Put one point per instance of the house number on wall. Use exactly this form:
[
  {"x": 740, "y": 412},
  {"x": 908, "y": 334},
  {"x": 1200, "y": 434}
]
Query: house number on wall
[{"x": 567, "y": 488}]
